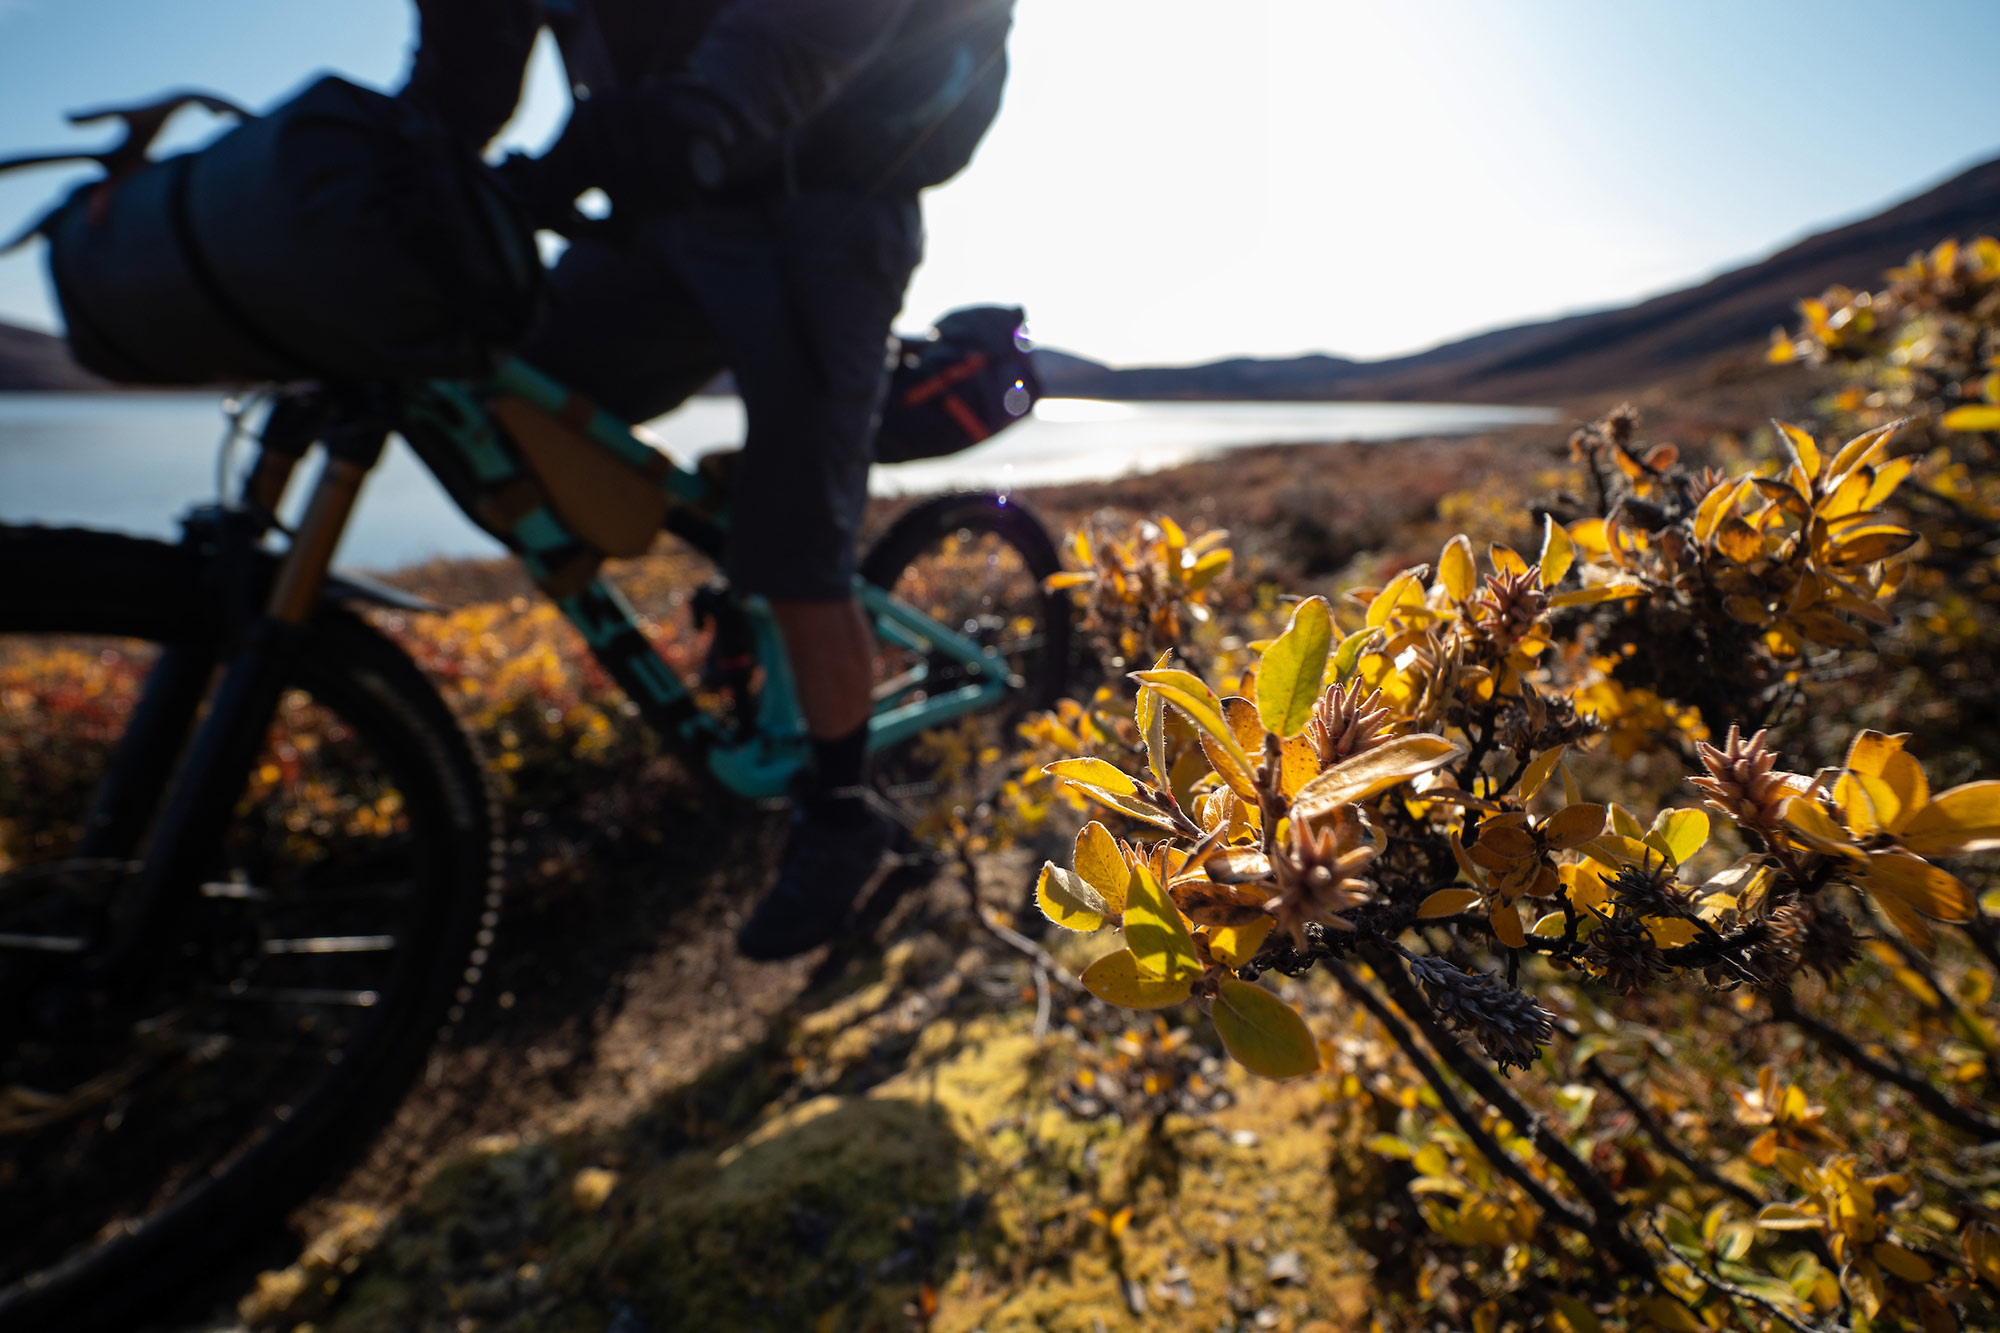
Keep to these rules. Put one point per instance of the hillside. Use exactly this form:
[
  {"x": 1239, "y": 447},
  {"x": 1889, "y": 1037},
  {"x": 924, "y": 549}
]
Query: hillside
[
  {"x": 1600, "y": 351},
  {"x": 31, "y": 360}
]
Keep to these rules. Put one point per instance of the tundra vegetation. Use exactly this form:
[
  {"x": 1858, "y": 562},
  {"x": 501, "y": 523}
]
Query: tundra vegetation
[{"x": 1586, "y": 924}]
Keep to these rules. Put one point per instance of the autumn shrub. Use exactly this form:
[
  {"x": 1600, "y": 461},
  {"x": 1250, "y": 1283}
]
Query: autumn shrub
[{"x": 1425, "y": 795}]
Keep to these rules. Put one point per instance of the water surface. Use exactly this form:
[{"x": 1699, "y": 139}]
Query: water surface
[{"x": 133, "y": 462}]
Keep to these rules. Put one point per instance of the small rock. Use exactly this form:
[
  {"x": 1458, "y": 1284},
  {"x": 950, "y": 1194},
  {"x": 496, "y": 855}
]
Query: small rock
[
  {"x": 1286, "y": 1266},
  {"x": 1135, "y": 1297},
  {"x": 1269, "y": 1317},
  {"x": 1244, "y": 1138}
]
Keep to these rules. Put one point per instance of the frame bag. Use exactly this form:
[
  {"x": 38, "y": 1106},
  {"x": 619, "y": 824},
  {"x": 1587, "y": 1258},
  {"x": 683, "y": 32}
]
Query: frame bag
[
  {"x": 342, "y": 236},
  {"x": 973, "y": 375}
]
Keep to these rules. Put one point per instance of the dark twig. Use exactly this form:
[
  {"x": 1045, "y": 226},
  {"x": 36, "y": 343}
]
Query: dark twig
[
  {"x": 1609, "y": 1232},
  {"x": 1503, "y": 1161},
  {"x": 1838, "y": 1043},
  {"x": 1716, "y": 1282},
  {"x": 1654, "y": 1130}
]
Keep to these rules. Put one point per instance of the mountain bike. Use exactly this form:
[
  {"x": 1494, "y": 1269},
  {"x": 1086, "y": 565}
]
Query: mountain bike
[{"x": 249, "y": 862}]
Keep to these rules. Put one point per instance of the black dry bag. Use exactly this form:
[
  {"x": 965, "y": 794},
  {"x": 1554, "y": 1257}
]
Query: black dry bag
[
  {"x": 971, "y": 376},
  {"x": 341, "y": 236}
]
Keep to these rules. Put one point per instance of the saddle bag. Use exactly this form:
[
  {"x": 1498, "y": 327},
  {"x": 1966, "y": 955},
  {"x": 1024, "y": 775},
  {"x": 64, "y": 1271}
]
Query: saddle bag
[
  {"x": 971, "y": 376},
  {"x": 342, "y": 236}
]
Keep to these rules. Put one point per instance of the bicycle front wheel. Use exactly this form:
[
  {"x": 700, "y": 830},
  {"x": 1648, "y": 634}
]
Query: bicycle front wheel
[{"x": 153, "y": 1111}]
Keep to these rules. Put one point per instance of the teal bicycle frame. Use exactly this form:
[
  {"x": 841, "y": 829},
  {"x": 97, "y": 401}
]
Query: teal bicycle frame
[{"x": 757, "y": 761}]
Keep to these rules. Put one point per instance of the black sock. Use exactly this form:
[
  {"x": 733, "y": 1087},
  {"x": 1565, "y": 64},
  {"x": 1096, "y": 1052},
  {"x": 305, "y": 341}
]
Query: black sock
[{"x": 838, "y": 764}]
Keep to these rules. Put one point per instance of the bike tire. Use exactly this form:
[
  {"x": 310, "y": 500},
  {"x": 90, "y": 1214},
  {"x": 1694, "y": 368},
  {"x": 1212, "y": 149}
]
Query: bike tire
[
  {"x": 928, "y": 526},
  {"x": 67, "y": 582}
]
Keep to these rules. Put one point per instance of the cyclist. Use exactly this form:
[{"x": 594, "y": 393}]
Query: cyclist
[{"x": 763, "y": 159}]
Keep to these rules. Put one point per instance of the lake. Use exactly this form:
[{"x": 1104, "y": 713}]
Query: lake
[{"x": 133, "y": 462}]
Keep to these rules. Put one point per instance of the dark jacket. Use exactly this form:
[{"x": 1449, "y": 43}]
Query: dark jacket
[{"x": 867, "y": 94}]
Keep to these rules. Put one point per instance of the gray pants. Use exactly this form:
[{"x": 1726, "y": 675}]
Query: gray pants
[{"x": 795, "y": 295}]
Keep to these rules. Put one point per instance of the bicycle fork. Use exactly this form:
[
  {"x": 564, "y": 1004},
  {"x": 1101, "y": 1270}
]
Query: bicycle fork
[{"x": 195, "y": 801}]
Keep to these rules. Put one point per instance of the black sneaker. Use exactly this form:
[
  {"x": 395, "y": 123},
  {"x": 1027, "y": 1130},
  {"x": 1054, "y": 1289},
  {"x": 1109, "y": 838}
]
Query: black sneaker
[{"x": 834, "y": 849}]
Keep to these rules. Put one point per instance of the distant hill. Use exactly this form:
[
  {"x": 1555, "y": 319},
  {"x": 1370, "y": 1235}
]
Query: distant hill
[
  {"x": 31, "y": 360},
  {"x": 1600, "y": 351},
  {"x": 1589, "y": 353}
]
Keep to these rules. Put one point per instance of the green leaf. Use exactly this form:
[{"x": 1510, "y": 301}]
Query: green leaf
[
  {"x": 1678, "y": 833},
  {"x": 1289, "y": 676},
  {"x": 1154, "y": 931},
  {"x": 1265, "y": 1034},
  {"x": 1118, "y": 979},
  {"x": 1348, "y": 656},
  {"x": 1068, "y": 900}
]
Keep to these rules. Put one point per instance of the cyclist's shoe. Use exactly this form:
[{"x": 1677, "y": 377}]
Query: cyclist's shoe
[{"x": 835, "y": 848}]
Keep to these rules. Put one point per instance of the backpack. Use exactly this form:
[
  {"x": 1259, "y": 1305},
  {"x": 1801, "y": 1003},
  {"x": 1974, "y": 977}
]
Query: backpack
[
  {"x": 970, "y": 377},
  {"x": 913, "y": 117}
]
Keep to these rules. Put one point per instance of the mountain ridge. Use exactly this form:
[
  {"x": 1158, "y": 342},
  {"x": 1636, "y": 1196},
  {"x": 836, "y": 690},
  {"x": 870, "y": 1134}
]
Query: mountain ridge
[{"x": 1591, "y": 352}]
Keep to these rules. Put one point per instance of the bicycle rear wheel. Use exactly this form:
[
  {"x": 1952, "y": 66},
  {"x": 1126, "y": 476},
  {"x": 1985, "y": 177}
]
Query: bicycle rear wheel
[
  {"x": 152, "y": 1114},
  {"x": 976, "y": 563}
]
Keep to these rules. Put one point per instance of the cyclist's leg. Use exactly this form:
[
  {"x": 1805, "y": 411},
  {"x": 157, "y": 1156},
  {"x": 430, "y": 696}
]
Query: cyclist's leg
[{"x": 803, "y": 295}]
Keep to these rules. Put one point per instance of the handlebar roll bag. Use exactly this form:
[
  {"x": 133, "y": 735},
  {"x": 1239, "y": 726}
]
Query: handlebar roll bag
[{"x": 341, "y": 236}]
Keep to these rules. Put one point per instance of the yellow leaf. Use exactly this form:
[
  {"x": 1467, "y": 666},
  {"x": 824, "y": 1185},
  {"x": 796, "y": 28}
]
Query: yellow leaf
[
  {"x": 1557, "y": 552},
  {"x": 1720, "y": 502},
  {"x": 1266, "y": 1035},
  {"x": 1804, "y": 449},
  {"x": 1233, "y": 946},
  {"x": 1572, "y": 826},
  {"x": 1887, "y": 478},
  {"x": 1068, "y": 579},
  {"x": 1241, "y": 716},
  {"x": 1814, "y": 827},
  {"x": 1446, "y": 902},
  {"x": 1598, "y": 592},
  {"x": 1739, "y": 541},
  {"x": 1670, "y": 932},
  {"x": 1973, "y": 416},
  {"x": 1930, "y": 890},
  {"x": 1151, "y": 716},
  {"x": 1958, "y": 822},
  {"x": 1680, "y": 833},
  {"x": 1118, "y": 979},
  {"x": 1191, "y": 695},
  {"x": 1862, "y": 450},
  {"x": 1400, "y": 588},
  {"x": 1128, "y": 805},
  {"x": 1289, "y": 675},
  {"x": 1905, "y": 1265},
  {"x": 1298, "y": 764},
  {"x": 1505, "y": 559},
  {"x": 1785, "y": 1217},
  {"x": 1374, "y": 771},
  {"x": 1875, "y": 541},
  {"x": 1506, "y": 920},
  {"x": 1455, "y": 568},
  {"x": 1589, "y": 534},
  {"x": 1538, "y": 770},
  {"x": 1093, "y": 773},
  {"x": 1097, "y": 859},
  {"x": 1068, "y": 900},
  {"x": 1905, "y": 918},
  {"x": 1155, "y": 932}
]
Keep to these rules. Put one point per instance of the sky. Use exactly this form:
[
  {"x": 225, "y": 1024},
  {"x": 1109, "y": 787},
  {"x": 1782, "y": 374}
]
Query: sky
[{"x": 1181, "y": 180}]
